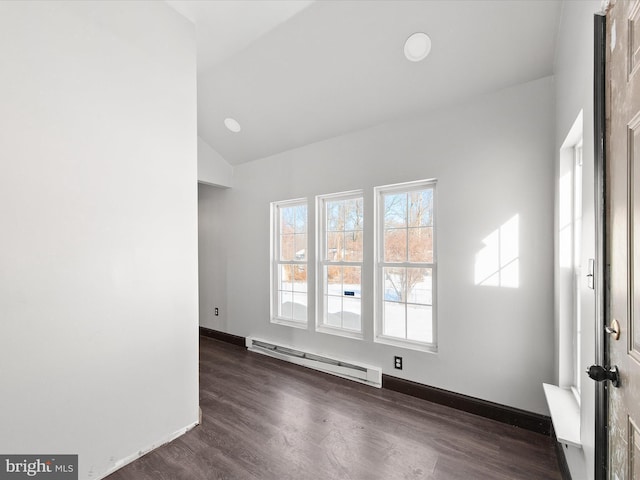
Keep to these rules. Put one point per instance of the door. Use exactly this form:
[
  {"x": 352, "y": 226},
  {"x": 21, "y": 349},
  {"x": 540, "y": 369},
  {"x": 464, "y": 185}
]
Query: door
[{"x": 622, "y": 193}]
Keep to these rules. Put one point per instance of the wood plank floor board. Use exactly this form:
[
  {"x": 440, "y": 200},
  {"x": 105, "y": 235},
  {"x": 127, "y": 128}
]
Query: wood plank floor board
[{"x": 264, "y": 419}]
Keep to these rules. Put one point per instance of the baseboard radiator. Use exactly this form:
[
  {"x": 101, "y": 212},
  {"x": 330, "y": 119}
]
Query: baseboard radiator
[{"x": 350, "y": 370}]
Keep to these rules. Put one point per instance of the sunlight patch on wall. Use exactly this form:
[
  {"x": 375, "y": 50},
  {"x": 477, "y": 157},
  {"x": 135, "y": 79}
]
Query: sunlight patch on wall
[{"x": 498, "y": 263}]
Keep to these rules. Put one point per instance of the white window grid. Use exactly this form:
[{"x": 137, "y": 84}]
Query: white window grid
[
  {"x": 277, "y": 263},
  {"x": 324, "y": 263},
  {"x": 381, "y": 264}
]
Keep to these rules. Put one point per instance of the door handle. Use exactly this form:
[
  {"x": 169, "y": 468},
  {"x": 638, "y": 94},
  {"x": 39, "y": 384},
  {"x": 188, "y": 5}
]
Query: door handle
[{"x": 600, "y": 374}]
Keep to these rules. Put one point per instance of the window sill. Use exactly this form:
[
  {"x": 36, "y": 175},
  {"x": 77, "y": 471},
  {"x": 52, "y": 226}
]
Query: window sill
[
  {"x": 396, "y": 342},
  {"x": 339, "y": 332},
  {"x": 289, "y": 323},
  {"x": 565, "y": 414}
]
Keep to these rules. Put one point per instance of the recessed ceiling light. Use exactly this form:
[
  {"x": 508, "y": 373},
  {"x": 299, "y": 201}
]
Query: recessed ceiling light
[
  {"x": 417, "y": 47},
  {"x": 232, "y": 124}
]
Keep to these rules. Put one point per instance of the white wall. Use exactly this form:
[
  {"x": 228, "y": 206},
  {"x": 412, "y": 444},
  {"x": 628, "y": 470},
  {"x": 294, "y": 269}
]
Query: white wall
[
  {"x": 493, "y": 158},
  {"x": 574, "y": 92},
  {"x": 98, "y": 251},
  {"x": 213, "y": 169}
]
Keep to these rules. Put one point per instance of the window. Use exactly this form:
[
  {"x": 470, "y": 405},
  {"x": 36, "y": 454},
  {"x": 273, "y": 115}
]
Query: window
[
  {"x": 289, "y": 265},
  {"x": 577, "y": 263},
  {"x": 571, "y": 282},
  {"x": 340, "y": 232},
  {"x": 404, "y": 272},
  {"x": 405, "y": 265}
]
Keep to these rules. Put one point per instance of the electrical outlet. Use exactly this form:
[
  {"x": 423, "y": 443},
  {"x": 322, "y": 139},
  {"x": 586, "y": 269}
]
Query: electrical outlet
[
  {"x": 216, "y": 312},
  {"x": 397, "y": 363}
]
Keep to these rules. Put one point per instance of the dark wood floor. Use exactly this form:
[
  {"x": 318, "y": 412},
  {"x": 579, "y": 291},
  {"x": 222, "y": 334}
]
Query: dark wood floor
[{"x": 264, "y": 419}]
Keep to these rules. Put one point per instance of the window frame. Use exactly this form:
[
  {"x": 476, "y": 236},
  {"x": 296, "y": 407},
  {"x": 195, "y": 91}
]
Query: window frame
[
  {"x": 380, "y": 264},
  {"x": 276, "y": 262},
  {"x": 322, "y": 262},
  {"x": 576, "y": 253},
  {"x": 569, "y": 287}
]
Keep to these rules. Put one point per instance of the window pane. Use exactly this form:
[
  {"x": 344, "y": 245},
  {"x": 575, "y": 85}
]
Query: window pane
[
  {"x": 300, "y": 306},
  {"x": 353, "y": 214},
  {"x": 335, "y": 216},
  {"x": 352, "y": 281},
  {"x": 353, "y": 246},
  {"x": 395, "y": 245},
  {"x": 289, "y": 284},
  {"x": 419, "y": 324},
  {"x": 334, "y": 311},
  {"x": 285, "y": 277},
  {"x": 419, "y": 285},
  {"x": 421, "y": 208},
  {"x": 395, "y": 210},
  {"x": 285, "y": 305},
  {"x": 343, "y": 234},
  {"x": 299, "y": 278},
  {"x": 287, "y": 219},
  {"x": 421, "y": 244},
  {"x": 351, "y": 313},
  {"x": 300, "y": 219},
  {"x": 287, "y": 247},
  {"x": 394, "y": 321},
  {"x": 394, "y": 284},
  {"x": 334, "y": 280},
  {"x": 335, "y": 246},
  {"x": 300, "y": 246},
  {"x": 405, "y": 262}
]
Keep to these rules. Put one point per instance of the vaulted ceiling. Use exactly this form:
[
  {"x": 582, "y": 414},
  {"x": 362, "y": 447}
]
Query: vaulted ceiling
[{"x": 297, "y": 72}]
